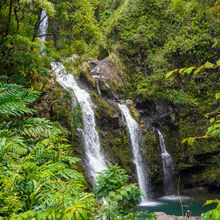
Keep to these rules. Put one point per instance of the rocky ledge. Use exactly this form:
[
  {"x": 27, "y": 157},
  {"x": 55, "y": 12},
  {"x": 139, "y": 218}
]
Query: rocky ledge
[{"x": 164, "y": 216}]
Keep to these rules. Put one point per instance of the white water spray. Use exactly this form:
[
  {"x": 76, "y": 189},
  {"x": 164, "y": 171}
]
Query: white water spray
[
  {"x": 168, "y": 167},
  {"x": 42, "y": 30},
  {"x": 135, "y": 138},
  {"x": 94, "y": 159}
]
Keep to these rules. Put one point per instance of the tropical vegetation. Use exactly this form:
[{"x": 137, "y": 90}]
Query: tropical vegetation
[{"x": 167, "y": 51}]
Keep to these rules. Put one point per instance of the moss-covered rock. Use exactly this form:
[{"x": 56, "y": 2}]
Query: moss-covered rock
[{"x": 114, "y": 140}]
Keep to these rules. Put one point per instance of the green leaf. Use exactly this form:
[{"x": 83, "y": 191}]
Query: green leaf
[
  {"x": 216, "y": 214},
  {"x": 119, "y": 197},
  {"x": 112, "y": 193},
  {"x": 208, "y": 202},
  {"x": 191, "y": 141},
  {"x": 218, "y": 62},
  {"x": 184, "y": 140},
  {"x": 209, "y": 65},
  {"x": 170, "y": 73},
  {"x": 198, "y": 70},
  {"x": 217, "y": 95},
  {"x": 189, "y": 70},
  {"x": 108, "y": 199},
  {"x": 181, "y": 71},
  {"x": 212, "y": 120}
]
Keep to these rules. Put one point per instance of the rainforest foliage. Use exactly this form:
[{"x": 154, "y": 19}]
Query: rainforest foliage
[
  {"x": 38, "y": 173},
  {"x": 38, "y": 170},
  {"x": 167, "y": 49}
]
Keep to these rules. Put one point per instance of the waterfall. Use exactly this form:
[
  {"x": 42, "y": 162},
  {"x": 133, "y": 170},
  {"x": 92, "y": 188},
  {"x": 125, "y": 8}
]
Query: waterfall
[
  {"x": 42, "y": 30},
  {"x": 135, "y": 139},
  {"x": 94, "y": 159},
  {"x": 98, "y": 88},
  {"x": 113, "y": 93},
  {"x": 168, "y": 167}
]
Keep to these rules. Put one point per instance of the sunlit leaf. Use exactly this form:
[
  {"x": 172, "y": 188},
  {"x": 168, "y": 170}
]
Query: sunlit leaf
[
  {"x": 112, "y": 193},
  {"x": 212, "y": 120},
  {"x": 217, "y": 95},
  {"x": 189, "y": 70},
  {"x": 198, "y": 70},
  {"x": 191, "y": 141},
  {"x": 209, "y": 65},
  {"x": 184, "y": 141},
  {"x": 170, "y": 73}
]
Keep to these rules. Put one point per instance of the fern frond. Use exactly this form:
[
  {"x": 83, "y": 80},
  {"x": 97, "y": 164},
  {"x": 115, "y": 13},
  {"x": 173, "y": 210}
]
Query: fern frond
[
  {"x": 14, "y": 100},
  {"x": 11, "y": 148},
  {"x": 36, "y": 128}
]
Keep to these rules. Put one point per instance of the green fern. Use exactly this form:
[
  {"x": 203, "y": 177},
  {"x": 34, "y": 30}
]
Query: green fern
[
  {"x": 14, "y": 100},
  {"x": 36, "y": 128},
  {"x": 38, "y": 178},
  {"x": 11, "y": 148}
]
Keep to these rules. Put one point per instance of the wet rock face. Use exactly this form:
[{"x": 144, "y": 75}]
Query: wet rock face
[
  {"x": 95, "y": 68},
  {"x": 105, "y": 73},
  {"x": 105, "y": 69},
  {"x": 156, "y": 114}
]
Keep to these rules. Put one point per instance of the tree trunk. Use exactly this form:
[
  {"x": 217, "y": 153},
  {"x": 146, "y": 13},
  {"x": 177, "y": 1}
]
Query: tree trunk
[{"x": 9, "y": 18}]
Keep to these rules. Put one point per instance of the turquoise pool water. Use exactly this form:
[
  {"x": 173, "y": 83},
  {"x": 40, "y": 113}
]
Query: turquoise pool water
[{"x": 171, "y": 205}]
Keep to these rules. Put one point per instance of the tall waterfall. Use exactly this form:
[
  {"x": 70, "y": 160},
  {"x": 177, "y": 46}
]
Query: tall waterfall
[
  {"x": 94, "y": 159},
  {"x": 42, "y": 30},
  {"x": 168, "y": 167},
  {"x": 135, "y": 138}
]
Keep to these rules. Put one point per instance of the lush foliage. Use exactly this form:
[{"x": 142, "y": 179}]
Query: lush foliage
[
  {"x": 112, "y": 186},
  {"x": 152, "y": 37},
  {"x": 38, "y": 177},
  {"x": 213, "y": 214},
  {"x": 72, "y": 29},
  {"x": 38, "y": 174},
  {"x": 213, "y": 130}
]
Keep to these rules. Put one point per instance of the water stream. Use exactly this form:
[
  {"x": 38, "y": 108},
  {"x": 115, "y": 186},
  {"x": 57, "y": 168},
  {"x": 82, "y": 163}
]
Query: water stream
[
  {"x": 168, "y": 167},
  {"x": 94, "y": 159},
  {"x": 135, "y": 139},
  {"x": 42, "y": 30}
]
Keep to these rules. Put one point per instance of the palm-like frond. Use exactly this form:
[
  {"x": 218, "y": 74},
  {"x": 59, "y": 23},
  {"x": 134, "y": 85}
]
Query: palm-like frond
[
  {"x": 81, "y": 209},
  {"x": 35, "y": 158},
  {"x": 11, "y": 148},
  {"x": 36, "y": 128},
  {"x": 14, "y": 100}
]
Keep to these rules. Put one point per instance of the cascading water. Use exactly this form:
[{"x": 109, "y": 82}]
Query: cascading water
[
  {"x": 94, "y": 159},
  {"x": 42, "y": 30},
  {"x": 135, "y": 138},
  {"x": 98, "y": 75},
  {"x": 98, "y": 88},
  {"x": 168, "y": 167}
]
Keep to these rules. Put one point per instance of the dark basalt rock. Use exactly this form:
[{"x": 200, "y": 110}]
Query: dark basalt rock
[{"x": 156, "y": 114}]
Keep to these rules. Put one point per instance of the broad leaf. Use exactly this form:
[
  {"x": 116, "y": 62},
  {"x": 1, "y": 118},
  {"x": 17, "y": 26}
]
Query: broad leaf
[
  {"x": 198, "y": 70},
  {"x": 217, "y": 95},
  {"x": 191, "y": 141},
  {"x": 212, "y": 120},
  {"x": 170, "y": 73},
  {"x": 209, "y": 65},
  {"x": 189, "y": 70}
]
